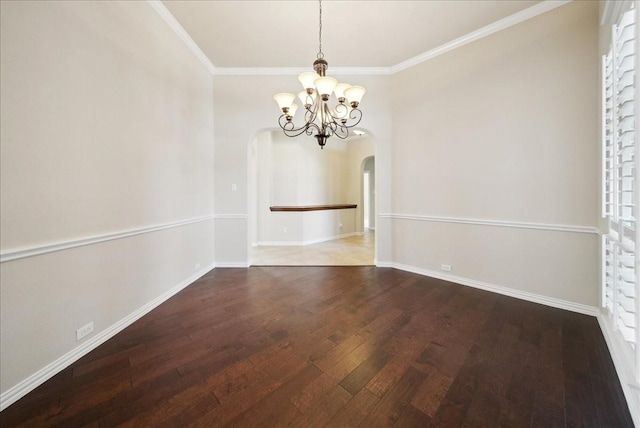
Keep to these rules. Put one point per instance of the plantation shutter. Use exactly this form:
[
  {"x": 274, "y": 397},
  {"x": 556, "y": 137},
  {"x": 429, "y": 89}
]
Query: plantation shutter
[
  {"x": 607, "y": 127},
  {"x": 619, "y": 179}
]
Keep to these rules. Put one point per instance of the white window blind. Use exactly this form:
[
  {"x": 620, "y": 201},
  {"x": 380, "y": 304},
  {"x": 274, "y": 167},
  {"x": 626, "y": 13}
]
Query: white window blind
[
  {"x": 619, "y": 192},
  {"x": 607, "y": 143}
]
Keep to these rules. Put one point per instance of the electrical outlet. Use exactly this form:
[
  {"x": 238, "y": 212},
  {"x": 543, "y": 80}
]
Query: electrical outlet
[
  {"x": 84, "y": 331},
  {"x": 446, "y": 268},
  {"x": 197, "y": 266},
  {"x": 284, "y": 229},
  {"x": 340, "y": 225}
]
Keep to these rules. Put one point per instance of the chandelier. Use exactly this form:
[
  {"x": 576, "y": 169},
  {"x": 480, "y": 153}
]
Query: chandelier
[{"x": 321, "y": 121}]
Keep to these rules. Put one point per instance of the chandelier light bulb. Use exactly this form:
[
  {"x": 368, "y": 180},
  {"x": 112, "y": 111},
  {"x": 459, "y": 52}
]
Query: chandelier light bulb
[
  {"x": 292, "y": 111},
  {"x": 325, "y": 86},
  {"x": 354, "y": 94},
  {"x": 339, "y": 91},
  {"x": 307, "y": 79},
  {"x": 321, "y": 119},
  {"x": 284, "y": 101}
]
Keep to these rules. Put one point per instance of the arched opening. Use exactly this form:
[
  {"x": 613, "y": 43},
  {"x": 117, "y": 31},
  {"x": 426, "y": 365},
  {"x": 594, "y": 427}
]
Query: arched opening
[
  {"x": 322, "y": 191},
  {"x": 368, "y": 194}
]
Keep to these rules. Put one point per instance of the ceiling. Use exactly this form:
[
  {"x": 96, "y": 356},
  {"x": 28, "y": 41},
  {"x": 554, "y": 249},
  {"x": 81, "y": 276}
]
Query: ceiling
[{"x": 266, "y": 33}]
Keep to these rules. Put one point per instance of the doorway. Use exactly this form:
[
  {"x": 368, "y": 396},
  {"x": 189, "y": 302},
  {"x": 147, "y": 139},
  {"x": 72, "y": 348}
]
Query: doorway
[
  {"x": 368, "y": 193},
  {"x": 293, "y": 172}
]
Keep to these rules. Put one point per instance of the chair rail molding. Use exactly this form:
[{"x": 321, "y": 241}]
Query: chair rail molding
[
  {"x": 37, "y": 250},
  {"x": 496, "y": 223}
]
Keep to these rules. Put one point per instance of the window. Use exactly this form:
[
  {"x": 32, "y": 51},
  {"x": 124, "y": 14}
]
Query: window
[{"x": 619, "y": 185}]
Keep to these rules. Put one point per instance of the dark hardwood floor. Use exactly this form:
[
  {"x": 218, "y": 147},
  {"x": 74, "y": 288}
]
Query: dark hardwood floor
[{"x": 338, "y": 346}]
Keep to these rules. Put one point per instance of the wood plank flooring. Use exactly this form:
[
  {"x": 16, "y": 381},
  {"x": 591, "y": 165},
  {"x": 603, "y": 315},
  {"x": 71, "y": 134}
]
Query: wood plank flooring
[{"x": 337, "y": 347}]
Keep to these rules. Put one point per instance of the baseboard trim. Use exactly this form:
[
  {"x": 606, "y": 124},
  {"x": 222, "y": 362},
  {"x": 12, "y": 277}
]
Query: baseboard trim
[
  {"x": 624, "y": 368},
  {"x": 24, "y": 387},
  {"x": 303, "y": 243},
  {"x": 331, "y": 238},
  {"x": 231, "y": 216},
  {"x": 232, "y": 265},
  {"x": 280, "y": 243},
  {"x": 518, "y": 294}
]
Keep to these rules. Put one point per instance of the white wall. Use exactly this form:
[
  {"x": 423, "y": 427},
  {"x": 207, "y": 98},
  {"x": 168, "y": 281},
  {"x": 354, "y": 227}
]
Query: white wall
[
  {"x": 303, "y": 174},
  {"x": 106, "y": 127},
  {"x": 244, "y": 107},
  {"x": 503, "y": 130}
]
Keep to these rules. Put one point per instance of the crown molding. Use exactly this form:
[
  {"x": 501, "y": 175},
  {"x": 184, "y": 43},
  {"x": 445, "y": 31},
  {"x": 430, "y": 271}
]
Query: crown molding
[
  {"x": 164, "y": 13},
  {"x": 613, "y": 10},
  {"x": 294, "y": 71},
  {"x": 259, "y": 71},
  {"x": 516, "y": 18},
  {"x": 485, "y": 31}
]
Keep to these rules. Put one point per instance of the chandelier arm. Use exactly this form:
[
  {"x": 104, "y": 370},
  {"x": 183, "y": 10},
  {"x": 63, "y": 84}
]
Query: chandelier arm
[
  {"x": 290, "y": 129},
  {"x": 356, "y": 115},
  {"x": 312, "y": 112},
  {"x": 342, "y": 111},
  {"x": 341, "y": 131},
  {"x": 311, "y": 126}
]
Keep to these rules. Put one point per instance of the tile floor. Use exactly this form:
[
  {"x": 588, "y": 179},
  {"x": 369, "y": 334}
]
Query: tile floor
[{"x": 352, "y": 251}]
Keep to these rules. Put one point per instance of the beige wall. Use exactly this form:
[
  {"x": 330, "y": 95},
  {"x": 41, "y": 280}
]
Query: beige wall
[
  {"x": 106, "y": 127},
  {"x": 504, "y": 130}
]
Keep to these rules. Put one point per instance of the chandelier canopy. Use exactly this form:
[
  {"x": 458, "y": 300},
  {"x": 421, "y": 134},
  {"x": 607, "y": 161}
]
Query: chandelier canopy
[{"x": 321, "y": 121}]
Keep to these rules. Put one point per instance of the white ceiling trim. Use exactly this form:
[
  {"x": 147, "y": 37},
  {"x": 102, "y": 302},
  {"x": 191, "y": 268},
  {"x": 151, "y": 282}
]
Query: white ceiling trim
[
  {"x": 485, "y": 31},
  {"x": 613, "y": 10},
  {"x": 162, "y": 10},
  {"x": 294, "y": 71}
]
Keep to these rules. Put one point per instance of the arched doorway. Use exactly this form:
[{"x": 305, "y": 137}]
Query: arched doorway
[{"x": 295, "y": 172}]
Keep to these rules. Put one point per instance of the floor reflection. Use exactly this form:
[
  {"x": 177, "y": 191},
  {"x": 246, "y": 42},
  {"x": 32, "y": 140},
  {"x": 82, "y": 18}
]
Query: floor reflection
[{"x": 352, "y": 251}]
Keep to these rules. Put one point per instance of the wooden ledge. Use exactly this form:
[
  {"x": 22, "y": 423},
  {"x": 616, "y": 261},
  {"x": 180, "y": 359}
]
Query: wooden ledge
[{"x": 315, "y": 207}]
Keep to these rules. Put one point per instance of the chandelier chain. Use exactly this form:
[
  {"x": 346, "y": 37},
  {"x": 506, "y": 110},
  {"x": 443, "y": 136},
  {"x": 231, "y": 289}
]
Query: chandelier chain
[{"x": 320, "y": 54}]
